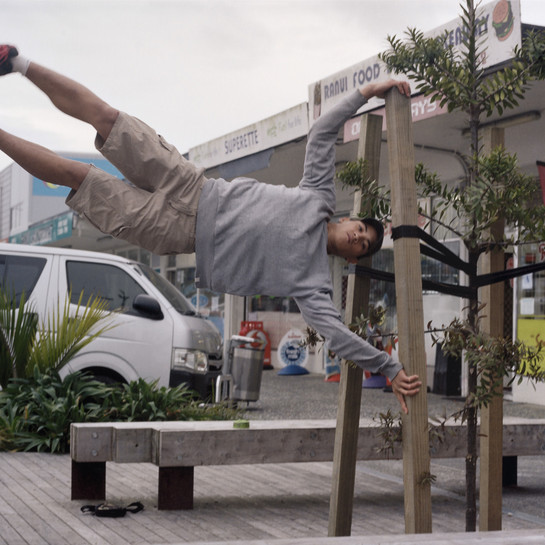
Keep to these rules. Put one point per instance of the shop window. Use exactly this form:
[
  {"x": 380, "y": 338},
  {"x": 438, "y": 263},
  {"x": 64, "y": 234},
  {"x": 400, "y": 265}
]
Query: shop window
[
  {"x": 531, "y": 287},
  {"x": 259, "y": 303},
  {"x": 207, "y": 302}
]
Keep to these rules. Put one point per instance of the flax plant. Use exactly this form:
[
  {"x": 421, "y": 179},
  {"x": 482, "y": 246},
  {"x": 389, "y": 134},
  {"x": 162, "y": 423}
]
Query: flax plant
[{"x": 25, "y": 344}]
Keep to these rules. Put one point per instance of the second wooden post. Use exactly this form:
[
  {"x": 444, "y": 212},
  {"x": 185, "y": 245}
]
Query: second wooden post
[
  {"x": 410, "y": 314},
  {"x": 348, "y": 411}
]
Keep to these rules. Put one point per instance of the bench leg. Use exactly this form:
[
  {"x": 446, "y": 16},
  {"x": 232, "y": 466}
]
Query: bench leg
[
  {"x": 175, "y": 488},
  {"x": 88, "y": 480}
]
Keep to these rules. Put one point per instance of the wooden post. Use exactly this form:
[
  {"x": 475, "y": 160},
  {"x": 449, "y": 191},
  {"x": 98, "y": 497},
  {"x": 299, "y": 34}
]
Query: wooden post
[
  {"x": 410, "y": 314},
  {"x": 491, "y": 440},
  {"x": 348, "y": 411}
]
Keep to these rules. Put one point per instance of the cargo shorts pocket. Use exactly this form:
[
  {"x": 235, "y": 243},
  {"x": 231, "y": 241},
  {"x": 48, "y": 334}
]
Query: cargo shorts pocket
[
  {"x": 173, "y": 231},
  {"x": 110, "y": 224},
  {"x": 182, "y": 208}
]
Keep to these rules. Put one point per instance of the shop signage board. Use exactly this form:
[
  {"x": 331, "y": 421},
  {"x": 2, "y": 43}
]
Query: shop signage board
[
  {"x": 268, "y": 133},
  {"x": 499, "y": 32},
  {"x": 46, "y": 232}
]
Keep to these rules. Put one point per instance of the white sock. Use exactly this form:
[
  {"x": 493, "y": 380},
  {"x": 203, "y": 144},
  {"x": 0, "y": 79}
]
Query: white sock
[{"x": 20, "y": 64}]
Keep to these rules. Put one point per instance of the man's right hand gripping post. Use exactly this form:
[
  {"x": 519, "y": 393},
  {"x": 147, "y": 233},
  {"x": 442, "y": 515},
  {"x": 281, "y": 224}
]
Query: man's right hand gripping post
[{"x": 403, "y": 385}]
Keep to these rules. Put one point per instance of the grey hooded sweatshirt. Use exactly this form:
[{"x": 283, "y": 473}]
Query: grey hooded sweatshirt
[{"x": 255, "y": 238}]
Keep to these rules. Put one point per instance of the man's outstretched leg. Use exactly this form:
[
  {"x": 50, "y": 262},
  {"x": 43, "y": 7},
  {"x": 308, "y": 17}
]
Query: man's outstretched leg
[
  {"x": 43, "y": 163},
  {"x": 67, "y": 95},
  {"x": 157, "y": 210}
]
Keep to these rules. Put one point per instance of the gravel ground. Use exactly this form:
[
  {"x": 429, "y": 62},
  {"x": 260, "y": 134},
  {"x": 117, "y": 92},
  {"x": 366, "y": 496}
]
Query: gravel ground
[{"x": 311, "y": 397}]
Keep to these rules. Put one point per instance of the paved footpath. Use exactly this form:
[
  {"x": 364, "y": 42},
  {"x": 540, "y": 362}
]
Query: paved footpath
[{"x": 260, "y": 503}]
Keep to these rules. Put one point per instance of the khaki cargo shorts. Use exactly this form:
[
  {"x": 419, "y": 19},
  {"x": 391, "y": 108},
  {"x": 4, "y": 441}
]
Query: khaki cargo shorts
[{"x": 157, "y": 209}]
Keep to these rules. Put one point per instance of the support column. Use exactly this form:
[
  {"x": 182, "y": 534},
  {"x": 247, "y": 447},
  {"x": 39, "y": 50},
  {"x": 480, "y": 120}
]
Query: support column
[
  {"x": 234, "y": 314},
  {"x": 410, "y": 314}
]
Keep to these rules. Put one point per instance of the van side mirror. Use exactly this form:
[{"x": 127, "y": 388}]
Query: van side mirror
[{"x": 148, "y": 307}]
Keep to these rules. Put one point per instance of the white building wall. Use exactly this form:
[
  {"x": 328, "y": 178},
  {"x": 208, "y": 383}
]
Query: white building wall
[
  {"x": 19, "y": 199},
  {"x": 5, "y": 201},
  {"x": 529, "y": 391}
]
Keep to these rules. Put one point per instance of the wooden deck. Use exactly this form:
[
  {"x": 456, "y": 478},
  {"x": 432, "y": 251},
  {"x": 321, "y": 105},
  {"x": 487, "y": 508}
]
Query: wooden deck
[
  {"x": 517, "y": 537},
  {"x": 258, "y": 504}
]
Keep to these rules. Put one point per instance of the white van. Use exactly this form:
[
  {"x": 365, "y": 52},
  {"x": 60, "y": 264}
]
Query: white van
[{"x": 158, "y": 334}]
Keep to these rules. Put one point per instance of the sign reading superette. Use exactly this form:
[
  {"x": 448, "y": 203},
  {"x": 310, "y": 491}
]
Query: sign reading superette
[
  {"x": 499, "y": 29},
  {"x": 265, "y": 134}
]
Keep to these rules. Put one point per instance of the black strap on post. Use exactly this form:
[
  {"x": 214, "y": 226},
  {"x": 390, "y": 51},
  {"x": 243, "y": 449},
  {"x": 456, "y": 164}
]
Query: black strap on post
[
  {"x": 438, "y": 251},
  {"x": 441, "y": 253}
]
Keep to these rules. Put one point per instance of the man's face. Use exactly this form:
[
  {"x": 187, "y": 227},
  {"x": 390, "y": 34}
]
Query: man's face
[{"x": 353, "y": 239}]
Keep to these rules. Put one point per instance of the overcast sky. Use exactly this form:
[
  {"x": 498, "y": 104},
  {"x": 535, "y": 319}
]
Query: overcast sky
[{"x": 196, "y": 69}]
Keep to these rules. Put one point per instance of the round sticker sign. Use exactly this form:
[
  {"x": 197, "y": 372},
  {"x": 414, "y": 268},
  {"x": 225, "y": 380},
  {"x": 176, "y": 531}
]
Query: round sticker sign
[{"x": 290, "y": 349}]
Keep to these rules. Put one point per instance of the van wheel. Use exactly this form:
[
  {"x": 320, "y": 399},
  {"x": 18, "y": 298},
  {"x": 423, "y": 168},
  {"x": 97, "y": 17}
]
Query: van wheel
[{"x": 108, "y": 379}]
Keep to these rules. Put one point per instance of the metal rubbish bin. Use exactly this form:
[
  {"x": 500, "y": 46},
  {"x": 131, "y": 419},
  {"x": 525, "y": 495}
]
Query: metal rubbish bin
[
  {"x": 246, "y": 370},
  {"x": 241, "y": 376}
]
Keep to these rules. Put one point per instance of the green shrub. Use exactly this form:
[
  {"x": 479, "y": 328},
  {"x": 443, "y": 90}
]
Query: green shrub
[
  {"x": 36, "y": 412},
  {"x": 144, "y": 401}
]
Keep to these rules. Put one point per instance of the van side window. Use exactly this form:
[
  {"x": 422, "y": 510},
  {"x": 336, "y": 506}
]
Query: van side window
[
  {"x": 19, "y": 274},
  {"x": 108, "y": 282}
]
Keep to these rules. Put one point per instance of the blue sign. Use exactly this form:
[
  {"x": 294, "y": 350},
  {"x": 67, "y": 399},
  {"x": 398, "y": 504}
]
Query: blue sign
[{"x": 203, "y": 301}]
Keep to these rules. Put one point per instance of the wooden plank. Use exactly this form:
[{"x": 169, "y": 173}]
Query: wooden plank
[
  {"x": 28, "y": 514},
  {"x": 348, "y": 412},
  {"x": 492, "y": 538},
  {"x": 9, "y": 533},
  {"x": 410, "y": 314},
  {"x": 47, "y": 482},
  {"x": 490, "y": 488}
]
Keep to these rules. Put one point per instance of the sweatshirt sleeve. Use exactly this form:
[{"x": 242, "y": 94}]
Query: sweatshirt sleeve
[
  {"x": 319, "y": 167},
  {"x": 319, "y": 313}
]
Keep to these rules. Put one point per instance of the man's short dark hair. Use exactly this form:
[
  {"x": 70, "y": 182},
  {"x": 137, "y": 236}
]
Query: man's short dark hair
[{"x": 379, "y": 229}]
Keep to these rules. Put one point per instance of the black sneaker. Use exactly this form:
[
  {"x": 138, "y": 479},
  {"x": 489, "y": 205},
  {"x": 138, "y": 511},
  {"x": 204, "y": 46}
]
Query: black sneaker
[{"x": 7, "y": 52}]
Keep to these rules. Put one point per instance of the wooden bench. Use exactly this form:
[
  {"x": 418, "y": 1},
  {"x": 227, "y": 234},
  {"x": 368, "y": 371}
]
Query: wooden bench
[{"x": 177, "y": 447}]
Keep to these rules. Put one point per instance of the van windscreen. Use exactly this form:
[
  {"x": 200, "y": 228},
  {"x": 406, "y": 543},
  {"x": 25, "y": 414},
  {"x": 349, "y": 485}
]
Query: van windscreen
[{"x": 177, "y": 300}]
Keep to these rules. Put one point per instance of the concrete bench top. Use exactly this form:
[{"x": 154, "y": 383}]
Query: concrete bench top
[{"x": 266, "y": 441}]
